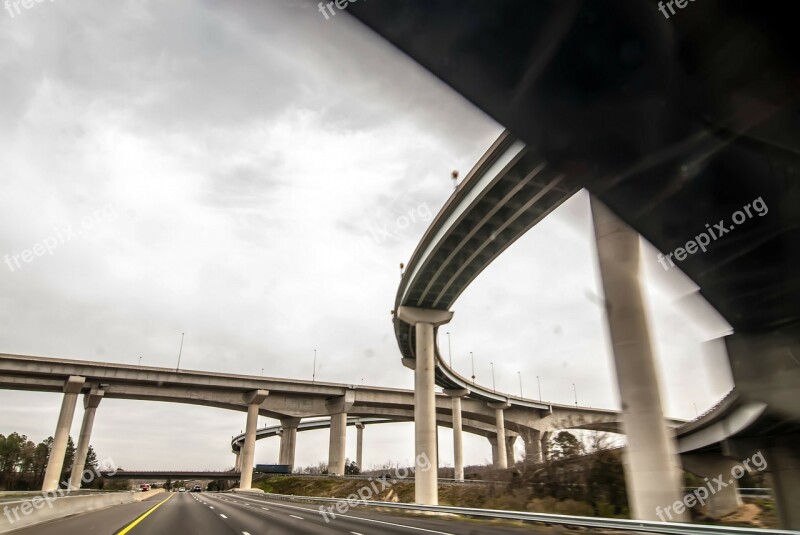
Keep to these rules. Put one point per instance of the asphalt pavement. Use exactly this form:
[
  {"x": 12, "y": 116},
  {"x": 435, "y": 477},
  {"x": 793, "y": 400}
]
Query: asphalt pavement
[{"x": 227, "y": 513}]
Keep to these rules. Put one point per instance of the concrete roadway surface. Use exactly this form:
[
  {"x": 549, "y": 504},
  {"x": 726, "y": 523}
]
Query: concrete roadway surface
[{"x": 222, "y": 514}]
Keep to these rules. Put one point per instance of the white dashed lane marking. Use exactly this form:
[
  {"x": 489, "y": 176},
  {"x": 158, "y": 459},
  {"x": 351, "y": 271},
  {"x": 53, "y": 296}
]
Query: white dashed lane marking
[
  {"x": 297, "y": 517},
  {"x": 223, "y": 516}
]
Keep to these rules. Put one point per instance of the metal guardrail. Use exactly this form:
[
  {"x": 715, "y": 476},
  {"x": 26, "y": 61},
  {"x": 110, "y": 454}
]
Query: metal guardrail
[
  {"x": 545, "y": 518},
  {"x": 755, "y": 493},
  {"x": 394, "y": 479}
]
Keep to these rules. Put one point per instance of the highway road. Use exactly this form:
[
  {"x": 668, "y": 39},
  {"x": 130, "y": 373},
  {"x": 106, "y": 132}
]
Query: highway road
[{"x": 219, "y": 514}]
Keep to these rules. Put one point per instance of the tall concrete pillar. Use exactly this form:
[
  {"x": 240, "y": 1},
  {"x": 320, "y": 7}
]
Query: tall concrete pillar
[
  {"x": 55, "y": 464},
  {"x": 533, "y": 446},
  {"x": 254, "y": 398},
  {"x": 495, "y": 453},
  {"x": 545, "y": 445},
  {"x": 288, "y": 441},
  {"x": 360, "y": 445},
  {"x": 458, "y": 434},
  {"x": 501, "y": 463},
  {"x": 652, "y": 469},
  {"x": 784, "y": 468},
  {"x": 426, "y": 490},
  {"x": 91, "y": 401},
  {"x": 237, "y": 462},
  {"x": 510, "y": 441},
  {"x": 724, "y": 501},
  {"x": 337, "y": 407},
  {"x": 338, "y": 443}
]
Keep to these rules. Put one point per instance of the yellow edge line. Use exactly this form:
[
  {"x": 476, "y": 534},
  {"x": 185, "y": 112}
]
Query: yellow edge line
[{"x": 135, "y": 522}]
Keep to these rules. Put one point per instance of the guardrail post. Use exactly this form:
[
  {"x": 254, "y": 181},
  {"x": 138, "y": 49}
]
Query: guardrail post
[
  {"x": 55, "y": 463},
  {"x": 652, "y": 468}
]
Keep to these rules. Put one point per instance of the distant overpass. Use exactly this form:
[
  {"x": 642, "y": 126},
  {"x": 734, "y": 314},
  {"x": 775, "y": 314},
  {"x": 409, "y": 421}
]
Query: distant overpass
[
  {"x": 175, "y": 475},
  {"x": 287, "y": 400}
]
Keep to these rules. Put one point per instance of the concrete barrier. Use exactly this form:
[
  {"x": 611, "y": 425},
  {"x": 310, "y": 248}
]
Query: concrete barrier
[{"x": 29, "y": 512}]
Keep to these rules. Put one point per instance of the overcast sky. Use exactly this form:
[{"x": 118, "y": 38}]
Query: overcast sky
[{"x": 238, "y": 171}]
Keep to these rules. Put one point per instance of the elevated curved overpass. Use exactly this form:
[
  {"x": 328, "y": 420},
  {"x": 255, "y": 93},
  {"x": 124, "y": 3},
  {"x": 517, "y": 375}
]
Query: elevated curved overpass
[{"x": 506, "y": 193}]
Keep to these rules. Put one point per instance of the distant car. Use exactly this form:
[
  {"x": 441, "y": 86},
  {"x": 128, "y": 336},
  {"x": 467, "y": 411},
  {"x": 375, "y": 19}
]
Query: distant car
[
  {"x": 197, "y": 488},
  {"x": 144, "y": 488},
  {"x": 181, "y": 489}
]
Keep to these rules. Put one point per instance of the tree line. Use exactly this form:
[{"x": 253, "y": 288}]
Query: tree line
[{"x": 24, "y": 462}]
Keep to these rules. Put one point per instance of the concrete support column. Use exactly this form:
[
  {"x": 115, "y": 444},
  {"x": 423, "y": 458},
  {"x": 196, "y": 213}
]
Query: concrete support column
[
  {"x": 495, "y": 453},
  {"x": 533, "y": 446},
  {"x": 545, "y": 445},
  {"x": 652, "y": 469},
  {"x": 237, "y": 466},
  {"x": 458, "y": 434},
  {"x": 338, "y": 443},
  {"x": 337, "y": 407},
  {"x": 724, "y": 501},
  {"x": 501, "y": 462},
  {"x": 253, "y": 399},
  {"x": 510, "y": 441},
  {"x": 288, "y": 441},
  {"x": 784, "y": 468},
  {"x": 426, "y": 490},
  {"x": 360, "y": 445},
  {"x": 55, "y": 464},
  {"x": 91, "y": 401}
]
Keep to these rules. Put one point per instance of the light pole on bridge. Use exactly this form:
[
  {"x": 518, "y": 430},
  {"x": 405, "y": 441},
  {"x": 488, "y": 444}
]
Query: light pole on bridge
[
  {"x": 494, "y": 387},
  {"x": 179, "y": 354},
  {"x": 519, "y": 374},
  {"x": 449, "y": 349},
  {"x": 472, "y": 359}
]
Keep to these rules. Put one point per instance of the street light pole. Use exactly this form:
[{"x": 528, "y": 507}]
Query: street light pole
[
  {"x": 314, "y": 370},
  {"x": 472, "y": 358},
  {"x": 449, "y": 349},
  {"x": 494, "y": 388},
  {"x": 179, "y": 354},
  {"x": 538, "y": 382},
  {"x": 576, "y": 394},
  {"x": 519, "y": 374}
]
